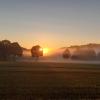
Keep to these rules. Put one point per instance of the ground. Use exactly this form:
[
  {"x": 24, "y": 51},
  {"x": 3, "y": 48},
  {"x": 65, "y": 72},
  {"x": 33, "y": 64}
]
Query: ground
[{"x": 53, "y": 81}]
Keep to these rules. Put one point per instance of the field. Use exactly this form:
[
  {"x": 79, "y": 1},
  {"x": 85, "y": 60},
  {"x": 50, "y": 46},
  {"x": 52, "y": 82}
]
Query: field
[{"x": 49, "y": 81}]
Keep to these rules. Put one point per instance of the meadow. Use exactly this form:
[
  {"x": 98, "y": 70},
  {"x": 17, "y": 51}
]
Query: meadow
[{"x": 49, "y": 81}]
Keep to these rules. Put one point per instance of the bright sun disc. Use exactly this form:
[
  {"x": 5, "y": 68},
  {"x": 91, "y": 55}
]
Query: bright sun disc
[{"x": 45, "y": 51}]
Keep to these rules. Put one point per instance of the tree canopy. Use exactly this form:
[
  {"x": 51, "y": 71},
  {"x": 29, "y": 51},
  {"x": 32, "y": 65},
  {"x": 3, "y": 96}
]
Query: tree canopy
[
  {"x": 8, "y": 49},
  {"x": 36, "y": 51}
]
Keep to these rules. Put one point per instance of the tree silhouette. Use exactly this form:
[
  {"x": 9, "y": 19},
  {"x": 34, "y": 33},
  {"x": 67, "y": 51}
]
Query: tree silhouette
[
  {"x": 5, "y": 49},
  {"x": 16, "y": 49},
  {"x": 36, "y": 51},
  {"x": 8, "y": 49},
  {"x": 66, "y": 54},
  {"x": 84, "y": 54}
]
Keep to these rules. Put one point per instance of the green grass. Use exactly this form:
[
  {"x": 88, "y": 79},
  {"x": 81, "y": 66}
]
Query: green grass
[{"x": 28, "y": 81}]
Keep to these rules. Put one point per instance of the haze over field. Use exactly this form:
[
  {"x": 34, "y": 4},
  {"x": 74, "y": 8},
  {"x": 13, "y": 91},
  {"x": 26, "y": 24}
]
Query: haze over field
[
  {"x": 54, "y": 25},
  {"x": 57, "y": 55},
  {"x": 49, "y": 49}
]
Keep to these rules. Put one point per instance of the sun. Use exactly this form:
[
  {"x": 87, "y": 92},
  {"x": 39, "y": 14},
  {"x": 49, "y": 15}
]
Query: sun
[{"x": 46, "y": 51}]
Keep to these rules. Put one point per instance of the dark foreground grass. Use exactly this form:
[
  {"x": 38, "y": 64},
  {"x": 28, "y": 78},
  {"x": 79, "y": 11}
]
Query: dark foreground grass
[{"x": 49, "y": 81}]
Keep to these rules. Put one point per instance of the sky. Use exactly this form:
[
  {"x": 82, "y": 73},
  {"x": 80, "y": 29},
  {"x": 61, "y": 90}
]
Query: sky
[{"x": 50, "y": 23}]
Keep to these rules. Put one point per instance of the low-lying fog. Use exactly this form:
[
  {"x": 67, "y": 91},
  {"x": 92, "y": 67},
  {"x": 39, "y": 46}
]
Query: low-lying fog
[{"x": 55, "y": 57}]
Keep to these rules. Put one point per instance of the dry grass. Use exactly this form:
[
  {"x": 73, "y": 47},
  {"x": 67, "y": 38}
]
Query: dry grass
[{"x": 53, "y": 81}]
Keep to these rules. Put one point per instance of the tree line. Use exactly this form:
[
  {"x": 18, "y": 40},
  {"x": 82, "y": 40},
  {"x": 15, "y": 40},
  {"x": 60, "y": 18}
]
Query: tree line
[
  {"x": 81, "y": 54},
  {"x": 11, "y": 50}
]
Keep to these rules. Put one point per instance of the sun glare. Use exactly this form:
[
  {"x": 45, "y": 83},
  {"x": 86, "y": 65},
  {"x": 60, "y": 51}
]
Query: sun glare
[{"x": 46, "y": 51}]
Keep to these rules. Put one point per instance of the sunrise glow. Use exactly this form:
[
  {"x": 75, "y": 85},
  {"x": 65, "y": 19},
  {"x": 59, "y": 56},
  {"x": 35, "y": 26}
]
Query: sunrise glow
[{"x": 46, "y": 51}]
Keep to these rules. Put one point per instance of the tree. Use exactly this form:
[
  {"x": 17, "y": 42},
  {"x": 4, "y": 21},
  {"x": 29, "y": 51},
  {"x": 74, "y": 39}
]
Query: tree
[
  {"x": 84, "y": 54},
  {"x": 1, "y": 51},
  {"x": 16, "y": 49},
  {"x": 8, "y": 49},
  {"x": 5, "y": 49},
  {"x": 36, "y": 51},
  {"x": 66, "y": 54}
]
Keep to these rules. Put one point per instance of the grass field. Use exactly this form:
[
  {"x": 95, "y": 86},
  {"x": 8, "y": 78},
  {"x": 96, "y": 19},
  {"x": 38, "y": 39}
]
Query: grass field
[{"x": 49, "y": 81}]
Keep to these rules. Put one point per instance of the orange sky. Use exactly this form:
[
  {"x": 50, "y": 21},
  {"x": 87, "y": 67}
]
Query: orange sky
[{"x": 50, "y": 23}]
